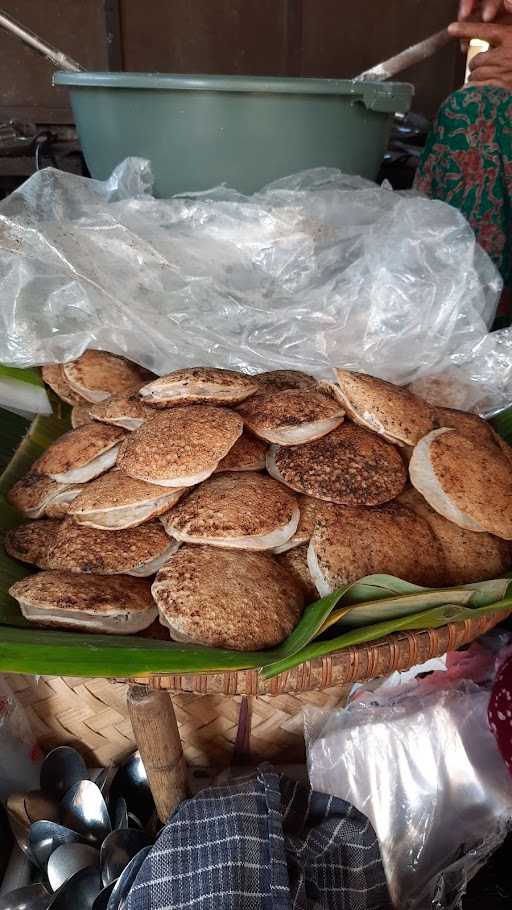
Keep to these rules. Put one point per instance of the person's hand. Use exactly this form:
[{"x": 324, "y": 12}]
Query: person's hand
[
  {"x": 483, "y": 10},
  {"x": 494, "y": 67}
]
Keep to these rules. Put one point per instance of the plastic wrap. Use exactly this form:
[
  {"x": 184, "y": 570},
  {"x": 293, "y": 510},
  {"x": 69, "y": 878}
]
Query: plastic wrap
[
  {"x": 315, "y": 270},
  {"x": 425, "y": 768},
  {"x": 20, "y": 757}
]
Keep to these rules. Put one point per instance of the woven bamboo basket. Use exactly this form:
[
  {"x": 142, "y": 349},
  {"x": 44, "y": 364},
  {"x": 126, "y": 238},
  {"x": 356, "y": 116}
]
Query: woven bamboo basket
[{"x": 92, "y": 713}]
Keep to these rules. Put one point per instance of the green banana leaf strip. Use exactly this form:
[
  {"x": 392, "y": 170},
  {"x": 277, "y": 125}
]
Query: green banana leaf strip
[
  {"x": 502, "y": 423},
  {"x": 427, "y": 619},
  {"x": 38, "y": 651},
  {"x": 30, "y": 376},
  {"x": 379, "y": 609}
]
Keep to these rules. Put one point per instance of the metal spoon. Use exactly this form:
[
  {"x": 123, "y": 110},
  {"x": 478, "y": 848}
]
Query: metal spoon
[
  {"x": 84, "y": 810},
  {"x": 117, "y": 850},
  {"x": 119, "y": 814},
  {"x": 130, "y": 781},
  {"x": 61, "y": 769},
  {"x": 18, "y": 873},
  {"x": 103, "y": 898},
  {"x": 79, "y": 893},
  {"x": 125, "y": 881},
  {"x": 67, "y": 860},
  {"x": 44, "y": 837},
  {"x": 39, "y": 805},
  {"x": 31, "y": 897},
  {"x": 102, "y": 777}
]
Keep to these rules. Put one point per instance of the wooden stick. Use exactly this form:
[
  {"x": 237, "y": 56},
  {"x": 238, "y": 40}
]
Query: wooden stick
[
  {"x": 157, "y": 736},
  {"x": 412, "y": 55},
  {"x": 55, "y": 56}
]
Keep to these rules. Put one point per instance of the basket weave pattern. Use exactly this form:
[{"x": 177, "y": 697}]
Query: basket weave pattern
[{"x": 92, "y": 713}]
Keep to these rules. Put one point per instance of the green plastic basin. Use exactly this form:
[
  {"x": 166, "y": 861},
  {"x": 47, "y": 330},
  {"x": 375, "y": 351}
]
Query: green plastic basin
[{"x": 200, "y": 131}]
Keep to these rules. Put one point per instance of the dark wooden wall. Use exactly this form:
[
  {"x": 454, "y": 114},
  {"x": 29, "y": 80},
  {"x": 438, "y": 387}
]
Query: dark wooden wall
[{"x": 334, "y": 38}]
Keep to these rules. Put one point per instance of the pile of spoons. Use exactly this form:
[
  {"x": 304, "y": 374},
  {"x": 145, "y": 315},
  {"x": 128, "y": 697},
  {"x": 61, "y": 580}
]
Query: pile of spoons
[{"x": 84, "y": 834}]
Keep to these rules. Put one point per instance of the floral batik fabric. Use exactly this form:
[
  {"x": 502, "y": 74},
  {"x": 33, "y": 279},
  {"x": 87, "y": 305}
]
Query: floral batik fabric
[{"x": 467, "y": 162}]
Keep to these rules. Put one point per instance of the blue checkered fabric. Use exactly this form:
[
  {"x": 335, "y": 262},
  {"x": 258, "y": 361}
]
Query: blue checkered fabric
[{"x": 264, "y": 843}]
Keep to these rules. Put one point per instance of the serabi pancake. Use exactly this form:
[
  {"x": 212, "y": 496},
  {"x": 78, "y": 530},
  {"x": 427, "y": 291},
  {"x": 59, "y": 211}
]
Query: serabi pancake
[
  {"x": 80, "y": 415},
  {"x": 470, "y": 425},
  {"x": 248, "y": 454},
  {"x": 35, "y": 495},
  {"x": 81, "y": 454},
  {"x": 350, "y": 466},
  {"x": 467, "y": 482},
  {"x": 98, "y": 375},
  {"x": 31, "y": 542},
  {"x": 310, "y": 511},
  {"x": 469, "y": 556},
  {"x": 390, "y": 410},
  {"x": 53, "y": 375},
  {"x": 199, "y": 385},
  {"x": 134, "y": 551},
  {"x": 227, "y": 598},
  {"x": 93, "y": 603},
  {"x": 292, "y": 417},
  {"x": 296, "y": 563},
  {"x": 242, "y": 511},
  {"x": 117, "y": 501},
  {"x": 180, "y": 447},
  {"x": 126, "y": 412},
  {"x": 279, "y": 380},
  {"x": 393, "y": 540}
]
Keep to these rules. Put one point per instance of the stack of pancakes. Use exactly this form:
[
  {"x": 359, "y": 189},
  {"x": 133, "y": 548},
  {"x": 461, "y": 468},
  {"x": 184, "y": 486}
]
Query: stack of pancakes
[{"x": 222, "y": 503}]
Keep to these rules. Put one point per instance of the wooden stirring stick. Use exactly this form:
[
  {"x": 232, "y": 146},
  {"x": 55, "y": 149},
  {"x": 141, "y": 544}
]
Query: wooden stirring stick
[{"x": 409, "y": 57}]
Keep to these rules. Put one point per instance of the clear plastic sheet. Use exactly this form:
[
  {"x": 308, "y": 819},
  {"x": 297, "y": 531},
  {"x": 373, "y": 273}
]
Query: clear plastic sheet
[
  {"x": 315, "y": 270},
  {"x": 424, "y": 767},
  {"x": 20, "y": 757}
]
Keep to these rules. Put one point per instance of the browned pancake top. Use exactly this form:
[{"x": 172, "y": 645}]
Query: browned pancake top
[
  {"x": 233, "y": 505},
  {"x": 82, "y": 549},
  {"x": 469, "y": 556},
  {"x": 476, "y": 478},
  {"x": 33, "y": 491},
  {"x": 93, "y": 595},
  {"x": 289, "y": 408},
  {"x": 179, "y": 442},
  {"x": 32, "y": 541},
  {"x": 392, "y": 540},
  {"x": 279, "y": 380},
  {"x": 100, "y": 371},
  {"x": 227, "y": 598},
  {"x": 78, "y": 447},
  {"x": 388, "y": 409},
  {"x": 247, "y": 454},
  {"x": 351, "y": 466}
]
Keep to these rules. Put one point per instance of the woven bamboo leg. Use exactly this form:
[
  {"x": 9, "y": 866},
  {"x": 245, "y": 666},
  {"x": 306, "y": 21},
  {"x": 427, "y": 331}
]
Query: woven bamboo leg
[{"x": 156, "y": 733}]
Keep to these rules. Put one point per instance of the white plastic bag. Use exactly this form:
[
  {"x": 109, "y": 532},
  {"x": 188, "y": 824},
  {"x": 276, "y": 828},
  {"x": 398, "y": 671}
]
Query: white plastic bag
[
  {"x": 20, "y": 757},
  {"x": 315, "y": 270},
  {"x": 425, "y": 768}
]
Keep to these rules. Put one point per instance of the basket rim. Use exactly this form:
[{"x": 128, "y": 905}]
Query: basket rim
[{"x": 399, "y": 651}]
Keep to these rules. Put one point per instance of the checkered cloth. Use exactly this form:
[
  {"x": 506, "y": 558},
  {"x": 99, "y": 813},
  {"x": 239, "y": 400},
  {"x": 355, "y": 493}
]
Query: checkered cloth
[{"x": 264, "y": 843}]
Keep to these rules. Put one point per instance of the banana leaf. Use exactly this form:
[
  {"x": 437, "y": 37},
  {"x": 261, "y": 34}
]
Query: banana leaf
[
  {"x": 23, "y": 391},
  {"x": 502, "y": 423},
  {"x": 428, "y": 619},
  {"x": 382, "y": 609}
]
